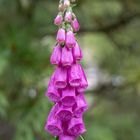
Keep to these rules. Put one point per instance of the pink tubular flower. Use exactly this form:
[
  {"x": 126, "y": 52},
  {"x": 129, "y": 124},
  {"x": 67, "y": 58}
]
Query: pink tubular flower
[
  {"x": 75, "y": 25},
  {"x": 68, "y": 16},
  {"x": 60, "y": 77},
  {"x": 52, "y": 93},
  {"x": 58, "y": 20},
  {"x": 56, "y": 55},
  {"x": 67, "y": 137},
  {"x": 77, "y": 53},
  {"x": 68, "y": 97},
  {"x": 83, "y": 83},
  {"x": 67, "y": 57},
  {"x": 76, "y": 126},
  {"x": 61, "y": 36},
  {"x": 74, "y": 75},
  {"x": 53, "y": 124},
  {"x": 70, "y": 39},
  {"x": 81, "y": 105},
  {"x": 64, "y": 113}
]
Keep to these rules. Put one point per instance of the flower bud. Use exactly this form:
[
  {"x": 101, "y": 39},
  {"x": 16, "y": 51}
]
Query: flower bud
[
  {"x": 66, "y": 3},
  {"x": 70, "y": 39},
  {"x": 61, "y": 36},
  {"x": 77, "y": 53},
  {"x": 67, "y": 137},
  {"x": 58, "y": 20},
  {"x": 75, "y": 25},
  {"x": 68, "y": 16},
  {"x": 56, "y": 55}
]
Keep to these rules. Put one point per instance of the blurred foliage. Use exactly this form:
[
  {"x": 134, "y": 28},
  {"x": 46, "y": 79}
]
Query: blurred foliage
[{"x": 110, "y": 28}]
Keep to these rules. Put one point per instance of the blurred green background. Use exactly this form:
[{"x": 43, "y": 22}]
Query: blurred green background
[{"x": 110, "y": 39}]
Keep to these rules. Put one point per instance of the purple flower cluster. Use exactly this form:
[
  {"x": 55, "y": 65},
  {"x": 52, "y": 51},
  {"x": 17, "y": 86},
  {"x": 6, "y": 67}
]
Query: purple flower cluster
[{"x": 68, "y": 82}]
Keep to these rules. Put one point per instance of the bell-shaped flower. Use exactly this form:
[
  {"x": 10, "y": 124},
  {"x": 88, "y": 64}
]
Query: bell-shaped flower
[
  {"x": 83, "y": 83},
  {"x": 68, "y": 16},
  {"x": 64, "y": 113},
  {"x": 59, "y": 19},
  {"x": 67, "y": 57},
  {"x": 70, "y": 39},
  {"x": 60, "y": 77},
  {"x": 68, "y": 97},
  {"x": 75, "y": 25},
  {"x": 74, "y": 75},
  {"x": 76, "y": 126},
  {"x": 67, "y": 137},
  {"x": 56, "y": 55},
  {"x": 81, "y": 105},
  {"x": 61, "y": 35},
  {"x": 77, "y": 53},
  {"x": 52, "y": 93},
  {"x": 54, "y": 125}
]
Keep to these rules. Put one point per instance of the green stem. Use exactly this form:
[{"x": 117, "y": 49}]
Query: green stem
[
  {"x": 56, "y": 138},
  {"x": 82, "y": 138}
]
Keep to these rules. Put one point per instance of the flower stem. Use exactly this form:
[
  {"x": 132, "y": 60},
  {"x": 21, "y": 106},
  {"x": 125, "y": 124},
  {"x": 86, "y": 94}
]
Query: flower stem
[
  {"x": 82, "y": 138},
  {"x": 56, "y": 138}
]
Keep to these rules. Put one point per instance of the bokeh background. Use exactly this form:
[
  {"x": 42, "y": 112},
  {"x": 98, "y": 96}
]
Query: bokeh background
[{"x": 110, "y": 39}]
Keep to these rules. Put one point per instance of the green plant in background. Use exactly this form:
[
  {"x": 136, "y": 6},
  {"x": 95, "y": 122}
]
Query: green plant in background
[{"x": 111, "y": 30}]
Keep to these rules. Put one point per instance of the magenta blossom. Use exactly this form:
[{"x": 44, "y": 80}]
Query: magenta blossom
[
  {"x": 64, "y": 113},
  {"x": 68, "y": 97},
  {"x": 53, "y": 124},
  {"x": 61, "y": 36},
  {"x": 52, "y": 93},
  {"x": 60, "y": 77},
  {"x": 77, "y": 53},
  {"x": 81, "y": 105},
  {"x": 70, "y": 39},
  {"x": 83, "y": 83},
  {"x": 76, "y": 126},
  {"x": 75, "y": 25},
  {"x": 74, "y": 75},
  {"x": 56, "y": 55},
  {"x": 67, "y": 57},
  {"x": 58, "y": 20}
]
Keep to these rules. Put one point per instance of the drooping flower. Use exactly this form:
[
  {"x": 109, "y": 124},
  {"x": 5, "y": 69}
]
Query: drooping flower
[
  {"x": 75, "y": 25},
  {"x": 67, "y": 57},
  {"x": 61, "y": 36},
  {"x": 80, "y": 106},
  {"x": 68, "y": 97},
  {"x": 59, "y": 19},
  {"x": 77, "y": 53},
  {"x": 56, "y": 55},
  {"x": 60, "y": 77},
  {"x": 64, "y": 113},
  {"x": 70, "y": 39},
  {"x": 76, "y": 126},
  {"x": 74, "y": 75},
  {"x": 54, "y": 125},
  {"x": 52, "y": 93},
  {"x": 83, "y": 83}
]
